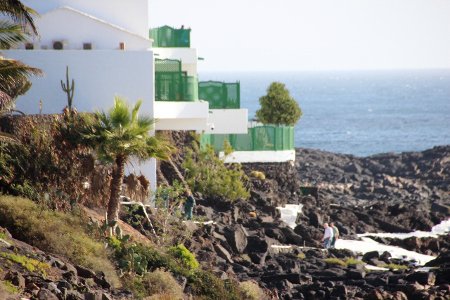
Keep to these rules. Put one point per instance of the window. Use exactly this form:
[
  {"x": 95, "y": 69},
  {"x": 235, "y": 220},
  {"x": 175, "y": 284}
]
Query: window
[
  {"x": 87, "y": 46},
  {"x": 29, "y": 46},
  {"x": 58, "y": 45}
]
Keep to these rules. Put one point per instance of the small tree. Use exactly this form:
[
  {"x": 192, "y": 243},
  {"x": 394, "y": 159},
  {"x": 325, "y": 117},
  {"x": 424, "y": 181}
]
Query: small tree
[
  {"x": 120, "y": 135},
  {"x": 278, "y": 107}
]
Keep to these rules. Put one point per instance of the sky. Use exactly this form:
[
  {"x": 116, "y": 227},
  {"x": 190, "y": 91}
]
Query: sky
[{"x": 297, "y": 35}]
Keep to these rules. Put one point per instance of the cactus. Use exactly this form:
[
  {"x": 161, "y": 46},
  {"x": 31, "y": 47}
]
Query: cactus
[{"x": 68, "y": 89}]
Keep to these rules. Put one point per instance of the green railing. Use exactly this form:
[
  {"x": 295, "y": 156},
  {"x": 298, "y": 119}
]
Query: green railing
[
  {"x": 260, "y": 138},
  {"x": 220, "y": 94},
  {"x": 172, "y": 84},
  {"x": 167, "y": 36}
]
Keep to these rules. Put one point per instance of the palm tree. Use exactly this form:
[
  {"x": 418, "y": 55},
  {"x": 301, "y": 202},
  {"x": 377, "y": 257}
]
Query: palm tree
[
  {"x": 119, "y": 135},
  {"x": 14, "y": 75}
]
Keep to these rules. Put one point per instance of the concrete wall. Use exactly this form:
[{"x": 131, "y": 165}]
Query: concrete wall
[
  {"x": 181, "y": 115},
  {"x": 75, "y": 28},
  {"x": 99, "y": 76},
  {"x": 223, "y": 121},
  {"x": 258, "y": 156},
  {"x": 130, "y": 14}
]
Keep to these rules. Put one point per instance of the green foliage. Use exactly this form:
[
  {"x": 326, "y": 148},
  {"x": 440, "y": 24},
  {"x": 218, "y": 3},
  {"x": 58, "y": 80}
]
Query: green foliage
[
  {"x": 258, "y": 174},
  {"x": 207, "y": 286},
  {"x": 393, "y": 266},
  {"x": 278, "y": 107},
  {"x": 7, "y": 288},
  {"x": 206, "y": 173},
  {"x": 162, "y": 283},
  {"x": 343, "y": 262},
  {"x": 55, "y": 232},
  {"x": 30, "y": 264},
  {"x": 301, "y": 255},
  {"x": 185, "y": 256},
  {"x": 335, "y": 261}
]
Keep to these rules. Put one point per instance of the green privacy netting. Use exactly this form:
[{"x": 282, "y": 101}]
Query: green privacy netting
[
  {"x": 220, "y": 94},
  {"x": 260, "y": 138},
  {"x": 172, "y": 84},
  {"x": 167, "y": 36}
]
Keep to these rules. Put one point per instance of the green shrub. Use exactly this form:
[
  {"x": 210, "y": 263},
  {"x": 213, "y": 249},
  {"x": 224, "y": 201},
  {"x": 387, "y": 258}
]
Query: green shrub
[
  {"x": 55, "y": 232},
  {"x": 186, "y": 257},
  {"x": 163, "y": 283},
  {"x": 258, "y": 174},
  {"x": 252, "y": 291},
  {"x": 8, "y": 290},
  {"x": 393, "y": 266},
  {"x": 206, "y": 173},
  {"x": 335, "y": 261},
  {"x": 205, "y": 285},
  {"x": 28, "y": 263}
]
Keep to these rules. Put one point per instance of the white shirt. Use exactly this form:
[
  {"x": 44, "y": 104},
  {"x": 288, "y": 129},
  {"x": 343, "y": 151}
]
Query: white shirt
[{"x": 328, "y": 234}]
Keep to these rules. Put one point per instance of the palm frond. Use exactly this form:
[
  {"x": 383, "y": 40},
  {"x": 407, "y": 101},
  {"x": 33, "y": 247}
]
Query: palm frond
[
  {"x": 14, "y": 76},
  {"x": 11, "y": 34},
  {"x": 18, "y": 13}
]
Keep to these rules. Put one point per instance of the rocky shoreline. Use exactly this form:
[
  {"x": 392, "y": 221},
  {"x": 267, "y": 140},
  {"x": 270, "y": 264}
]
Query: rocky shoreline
[
  {"x": 383, "y": 193},
  {"x": 247, "y": 240}
]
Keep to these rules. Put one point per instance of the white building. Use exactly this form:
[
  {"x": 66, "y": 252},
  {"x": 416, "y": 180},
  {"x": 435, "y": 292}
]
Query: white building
[{"x": 106, "y": 45}]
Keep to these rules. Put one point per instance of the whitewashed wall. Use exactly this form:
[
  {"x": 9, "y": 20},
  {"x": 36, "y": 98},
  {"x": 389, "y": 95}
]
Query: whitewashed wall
[
  {"x": 99, "y": 76},
  {"x": 130, "y": 14},
  {"x": 258, "y": 156},
  {"x": 75, "y": 28},
  {"x": 223, "y": 121},
  {"x": 181, "y": 115}
]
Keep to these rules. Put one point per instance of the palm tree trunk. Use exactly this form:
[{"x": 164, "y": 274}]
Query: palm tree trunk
[{"x": 116, "y": 189}]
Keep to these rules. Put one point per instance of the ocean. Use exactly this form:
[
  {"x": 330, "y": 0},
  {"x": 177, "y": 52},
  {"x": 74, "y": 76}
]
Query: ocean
[{"x": 359, "y": 112}]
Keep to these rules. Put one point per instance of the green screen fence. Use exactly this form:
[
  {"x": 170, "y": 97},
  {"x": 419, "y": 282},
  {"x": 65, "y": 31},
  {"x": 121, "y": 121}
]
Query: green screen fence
[
  {"x": 220, "y": 94},
  {"x": 167, "y": 36},
  {"x": 172, "y": 84},
  {"x": 260, "y": 138}
]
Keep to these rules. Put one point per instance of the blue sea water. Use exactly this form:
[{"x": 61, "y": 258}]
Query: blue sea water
[{"x": 359, "y": 112}]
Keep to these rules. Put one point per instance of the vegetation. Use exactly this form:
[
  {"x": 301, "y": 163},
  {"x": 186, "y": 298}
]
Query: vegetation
[
  {"x": 206, "y": 173},
  {"x": 8, "y": 290},
  {"x": 252, "y": 291},
  {"x": 55, "y": 232},
  {"x": 28, "y": 263},
  {"x": 343, "y": 262},
  {"x": 49, "y": 163},
  {"x": 258, "y": 175},
  {"x": 186, "y": 257},
  {"x": 118, "y": 136},
  {"x": 393, "y": 266},
  {"x": 160, "y": 282},
  {"x": 278, "y": 107}
]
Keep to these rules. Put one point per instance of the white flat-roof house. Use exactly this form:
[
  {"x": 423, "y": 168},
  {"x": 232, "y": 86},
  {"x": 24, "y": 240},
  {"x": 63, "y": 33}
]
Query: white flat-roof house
[{"x": 106, "y": 45}]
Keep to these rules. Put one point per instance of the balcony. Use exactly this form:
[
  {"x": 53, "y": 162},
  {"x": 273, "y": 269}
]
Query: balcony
[
  {"x": 259, "y": 138},
  {"x": 168, "y": 37},
  {"x": 220, "y": 95},
  {"x": 173, "y": 84}
]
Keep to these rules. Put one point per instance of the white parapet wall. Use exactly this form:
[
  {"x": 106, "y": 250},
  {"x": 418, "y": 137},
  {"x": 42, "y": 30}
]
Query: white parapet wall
[
  {"x": 258, "y": 156},
  {"x": 227, "y": 121},
  {"x": 179, "y": 115}
]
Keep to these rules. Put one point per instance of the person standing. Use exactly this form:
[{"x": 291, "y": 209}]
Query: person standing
[
  {"x": 189, "y": 205},
  {"x": 335, "y": 234},
  {"x": 327, "y": 236}
]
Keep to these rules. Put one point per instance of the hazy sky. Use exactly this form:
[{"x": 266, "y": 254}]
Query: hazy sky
[{"x": 312, "y": 35}]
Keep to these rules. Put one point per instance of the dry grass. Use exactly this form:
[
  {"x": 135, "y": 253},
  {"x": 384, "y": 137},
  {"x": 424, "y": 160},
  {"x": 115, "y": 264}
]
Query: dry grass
[
  {"x": 57, "y": 233},
  {"x": 162, "y": 284},
  {"x": 252, "y": 291}
]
